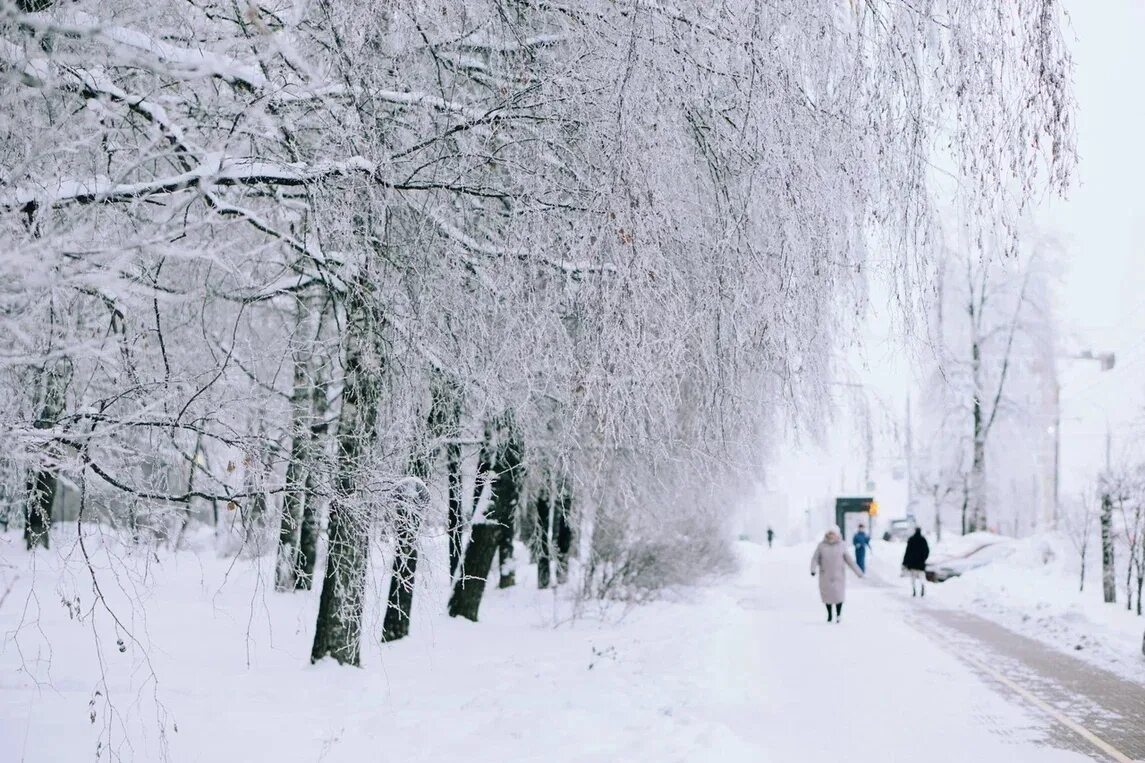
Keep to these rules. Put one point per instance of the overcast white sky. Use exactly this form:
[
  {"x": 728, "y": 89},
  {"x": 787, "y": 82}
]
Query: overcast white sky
[
  {"x": 1101, "y": 304},
  {"x": 1102, "y": 300}
]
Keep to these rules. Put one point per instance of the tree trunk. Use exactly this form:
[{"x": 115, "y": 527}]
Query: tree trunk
[
  {"x": 1140, "y": 583},
  {"x": 484, "y": 469},
  {"x": 44, "y": 482},
  {"x": 254, "y": 514},
  {"x": 412, "y": 500},
  {"x": 1129, "y": 581},
  {"x": 965, "y": 503},
  {"x": 542, "y": 537},
  {"x": 38, "y": 509},
  {"x": 312, "y": 506},
  {"x": 1107, "y": 563},
  {"x": 937, "y": 521},
  {"x": 470, "y": 586},
  {"x": 502, "y": 507},
  {"x": 977, "y": 520},
  {"x": 338, "y": 630},
  {"x": 978, "y": 488},
  {"x": 484, "y": 477},
  {"x": 507, "y": 566},
  {"x": 399, "y": 605},
  {"x": 562, "y": 533},
  {"x": 506, "y": 494},
  {"x": 294, "y": 500},
  {"x": 287, "y": 568},
  {"x": 1081, "y": 587},
  {"x": 456, "y": 518}
]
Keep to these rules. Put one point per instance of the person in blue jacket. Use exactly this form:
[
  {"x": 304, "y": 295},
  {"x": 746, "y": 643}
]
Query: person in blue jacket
[{"x": 862, "y": 543}]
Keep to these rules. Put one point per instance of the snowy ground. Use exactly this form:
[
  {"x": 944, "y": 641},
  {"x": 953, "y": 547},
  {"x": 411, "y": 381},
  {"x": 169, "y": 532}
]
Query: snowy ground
[
  {"x": 1035, "y": 592},
  {"x": 744, "y": 670}
]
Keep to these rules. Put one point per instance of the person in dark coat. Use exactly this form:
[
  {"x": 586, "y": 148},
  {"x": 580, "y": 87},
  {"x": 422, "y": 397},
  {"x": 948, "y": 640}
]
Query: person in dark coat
[
  {"x": 770, "y": 536},
  {"x": 862, "y": 543},
  {"x": 914, "y": 561}
]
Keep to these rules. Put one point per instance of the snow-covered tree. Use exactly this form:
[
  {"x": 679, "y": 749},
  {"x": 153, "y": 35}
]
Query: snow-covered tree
[{"x": 245, "y": 244}]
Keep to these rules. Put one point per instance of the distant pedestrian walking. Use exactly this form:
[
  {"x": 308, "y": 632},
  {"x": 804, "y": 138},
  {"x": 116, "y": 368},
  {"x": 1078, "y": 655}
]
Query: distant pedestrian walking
[
  {"x": 830, "y": 561},
  {"x": 862, "y": 543},
  {"x": 770, "y": 536},
  {"x": 914, "y": 561}
]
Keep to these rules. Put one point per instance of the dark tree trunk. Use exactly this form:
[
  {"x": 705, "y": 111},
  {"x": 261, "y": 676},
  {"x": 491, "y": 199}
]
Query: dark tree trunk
[
  {"x": 38, "y": 509},
  {"x": 338, "y": 630},
  {"x": 467, "y": 592},
  {"x": 449, "y": 402},
  {"x": 562, "y": 534},
  {"x": 456, "y": 518},
  {"x": 506, "y": 494},
  {"x": 542, "y": 538},
  {"x": 44, "y": 482},
  {"x": 553, "y": 532},
  {"x": 484, "y": 476},
  {"x": 399, "y": 605},
  {"x": 502, "y": 508},
  {"x": 412, "y": 500}
]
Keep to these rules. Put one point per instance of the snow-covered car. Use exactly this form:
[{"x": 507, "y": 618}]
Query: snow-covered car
[
  {"x": 900, "y": 529},
  {"x": 952, "y": 567}
]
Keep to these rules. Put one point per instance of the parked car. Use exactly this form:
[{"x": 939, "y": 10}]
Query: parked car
[
  {"x": 900, "y": 529},
  {"x": 952, "y": 567}
]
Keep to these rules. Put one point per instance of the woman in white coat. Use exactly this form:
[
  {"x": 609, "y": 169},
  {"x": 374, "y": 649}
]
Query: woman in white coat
[{"x": 830, "y": 561}]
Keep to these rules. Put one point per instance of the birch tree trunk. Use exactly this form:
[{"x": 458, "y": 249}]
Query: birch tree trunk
[
  {"x": 977, "y": 519},
  {"x": 338, "y": 631},
  {"x": 1108, "y": 571},
  {"x": 288, "y": 567},
  {"x": 43, "y": 482},
  {"x": 312, "y": 506}
]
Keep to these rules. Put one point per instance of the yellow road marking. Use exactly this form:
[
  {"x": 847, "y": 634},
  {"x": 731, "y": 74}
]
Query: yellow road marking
[{"x": 1045, "y": 707}]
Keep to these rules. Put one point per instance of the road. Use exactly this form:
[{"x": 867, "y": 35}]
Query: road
[
  {"x": 1090, "y": 710},
  {"x": 905, "y": 678},
  {"x": 1094, "y": 711}
]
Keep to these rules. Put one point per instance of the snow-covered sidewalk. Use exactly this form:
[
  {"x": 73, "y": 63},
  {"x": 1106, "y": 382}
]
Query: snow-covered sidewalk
[{"x": 746, "y": 670}]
